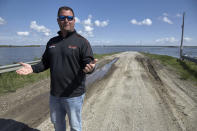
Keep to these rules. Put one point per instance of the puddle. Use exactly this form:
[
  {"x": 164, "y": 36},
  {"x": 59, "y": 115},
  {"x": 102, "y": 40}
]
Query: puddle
[{"x": 99, "y": 73}]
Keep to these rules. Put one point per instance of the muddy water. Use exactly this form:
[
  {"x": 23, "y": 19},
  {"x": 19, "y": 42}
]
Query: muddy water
[{"x": 100, "y": 73}]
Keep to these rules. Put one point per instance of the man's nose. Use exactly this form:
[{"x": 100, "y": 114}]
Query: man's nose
[{"x": 66, "y": 19}]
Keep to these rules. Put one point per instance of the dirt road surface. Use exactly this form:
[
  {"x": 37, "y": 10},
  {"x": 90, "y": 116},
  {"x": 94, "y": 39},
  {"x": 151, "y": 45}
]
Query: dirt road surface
[{"x": 138, "y": 94}]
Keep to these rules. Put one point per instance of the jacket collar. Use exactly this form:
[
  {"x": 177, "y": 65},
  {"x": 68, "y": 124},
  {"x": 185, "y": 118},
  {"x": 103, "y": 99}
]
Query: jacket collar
[{"x": 69, "y": 33}]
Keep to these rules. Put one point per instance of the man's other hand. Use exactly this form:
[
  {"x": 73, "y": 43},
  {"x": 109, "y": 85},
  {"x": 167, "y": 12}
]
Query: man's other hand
[
  {"x": 90, "y": 67},
  {"x": 25, "y": 70}
]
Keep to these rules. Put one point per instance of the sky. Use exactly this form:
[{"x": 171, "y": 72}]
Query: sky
[{"x": 102, "y": 22}]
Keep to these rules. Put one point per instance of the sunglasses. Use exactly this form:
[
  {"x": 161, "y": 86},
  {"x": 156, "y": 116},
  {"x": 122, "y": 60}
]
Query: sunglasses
[{"x": 62, "y": 18}]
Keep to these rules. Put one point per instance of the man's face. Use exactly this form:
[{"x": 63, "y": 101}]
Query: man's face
[{"x": 66, "y": 24}]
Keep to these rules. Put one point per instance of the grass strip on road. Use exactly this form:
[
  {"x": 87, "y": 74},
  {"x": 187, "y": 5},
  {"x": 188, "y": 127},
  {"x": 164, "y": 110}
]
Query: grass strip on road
[{"x": 186, "y": 69}]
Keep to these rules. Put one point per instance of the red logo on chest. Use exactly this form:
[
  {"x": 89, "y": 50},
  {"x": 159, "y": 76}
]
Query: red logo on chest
[{"x": 72, "y": 47}]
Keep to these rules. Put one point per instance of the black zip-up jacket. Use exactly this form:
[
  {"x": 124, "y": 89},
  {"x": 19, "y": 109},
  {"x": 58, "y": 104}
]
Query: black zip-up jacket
[{"x": 66, "y": 58}]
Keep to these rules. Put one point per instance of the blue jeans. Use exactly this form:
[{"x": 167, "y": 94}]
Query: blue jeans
[{"x": 61, "y": 106}]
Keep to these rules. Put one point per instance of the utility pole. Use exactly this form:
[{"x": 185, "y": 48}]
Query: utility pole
[{"x": 181, "y": 48}]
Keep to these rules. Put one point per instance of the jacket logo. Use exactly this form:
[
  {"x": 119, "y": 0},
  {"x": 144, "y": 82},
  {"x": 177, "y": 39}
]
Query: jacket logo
[
  {"x": 72, "y": 47},
  {"x": 52, "y": 46}
]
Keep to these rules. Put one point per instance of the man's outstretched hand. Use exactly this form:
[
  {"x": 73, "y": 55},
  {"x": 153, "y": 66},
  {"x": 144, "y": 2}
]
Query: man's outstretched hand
[
  {"x": 25, "y": 70},
  {"x": 90, "y": 67}
]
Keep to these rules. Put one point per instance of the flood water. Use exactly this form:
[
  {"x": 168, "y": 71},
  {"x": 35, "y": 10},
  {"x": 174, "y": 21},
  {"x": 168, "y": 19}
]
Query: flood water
[
  {"x": 100, "y": 73},
  {"x": 25, "y": 54}
]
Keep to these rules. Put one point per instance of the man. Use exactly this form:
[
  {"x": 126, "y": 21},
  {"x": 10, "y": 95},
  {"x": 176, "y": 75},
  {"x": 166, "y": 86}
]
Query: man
[{"x": 69, "y": 57}]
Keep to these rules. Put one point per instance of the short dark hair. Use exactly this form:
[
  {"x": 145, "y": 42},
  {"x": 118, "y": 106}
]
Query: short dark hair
[{"x": 65, "y": 8}]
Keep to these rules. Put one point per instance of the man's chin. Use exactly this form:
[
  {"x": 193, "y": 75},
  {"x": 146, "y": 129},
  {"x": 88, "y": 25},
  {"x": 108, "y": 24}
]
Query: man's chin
[{"x": 68, "y": 29}]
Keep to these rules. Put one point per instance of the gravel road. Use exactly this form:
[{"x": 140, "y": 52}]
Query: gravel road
[{"x": 138, "y": 94}]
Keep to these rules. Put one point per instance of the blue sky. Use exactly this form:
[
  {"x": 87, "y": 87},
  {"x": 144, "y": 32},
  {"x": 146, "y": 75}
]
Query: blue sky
[{"x": 102, "y": 22}]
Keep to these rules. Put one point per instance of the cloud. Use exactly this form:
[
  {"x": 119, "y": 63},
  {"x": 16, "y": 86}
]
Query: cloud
[
  {"x": 77, "y": 20},
  {"x": 165, "y": 14},
  {"x": 39, "y": 28},
  {"x": 80, "y": 32},
  {"x": 165, "y": 19},
  {"x": 172, "y": 40},
  {"x": 88, "y": 21},
  {"x": 2, "y": 21},
  {"x": 138, "y": 42},
  {"x": 97, "y": 23},
  {"x": 23, "y": 33},
  {"x": 86, "y": 33},
  {"x": 167, "y": 39},
  {"x": 88, "y": 28},
  {"x": 133, "y": 21},
  {"x": 178, "y": 15},
  {"x": 101, "y": 42},
  {"x": 89, "y": 34},
  {"x": 101, "y": 23},
  {"x": 187, "y": 39},
  {"x": 144, "y": 22}
]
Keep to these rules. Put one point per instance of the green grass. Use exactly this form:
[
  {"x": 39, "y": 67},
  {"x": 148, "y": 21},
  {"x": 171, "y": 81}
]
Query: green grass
[
  {"x": 186, "y": 69},
  {"x": 10, "y": 82}
]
